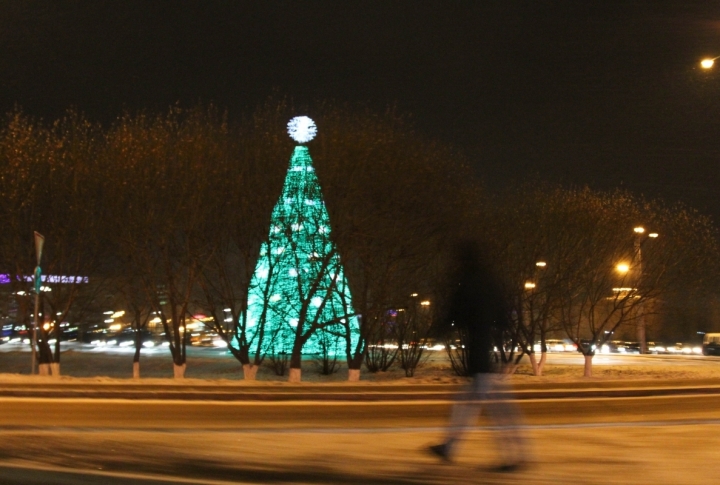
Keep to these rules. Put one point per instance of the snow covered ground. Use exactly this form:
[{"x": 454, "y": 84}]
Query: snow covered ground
[{"x": 203, "y": 364}]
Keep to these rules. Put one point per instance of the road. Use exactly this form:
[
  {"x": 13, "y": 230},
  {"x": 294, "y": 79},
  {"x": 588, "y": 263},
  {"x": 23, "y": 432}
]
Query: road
[
  {"x": 113, "y": 441},
  {"x": 142, "y": 414}
]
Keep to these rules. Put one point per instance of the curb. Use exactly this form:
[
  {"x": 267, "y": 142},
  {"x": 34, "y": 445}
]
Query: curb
[{"x": 350, "y": 395}]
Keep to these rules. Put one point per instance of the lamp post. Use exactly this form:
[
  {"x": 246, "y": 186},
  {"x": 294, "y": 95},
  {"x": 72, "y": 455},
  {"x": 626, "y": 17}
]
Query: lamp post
[
  {"x": 528, "y": 314},
  {"x": 39, "y": 241},
  {"x": 639, "y": 235}
]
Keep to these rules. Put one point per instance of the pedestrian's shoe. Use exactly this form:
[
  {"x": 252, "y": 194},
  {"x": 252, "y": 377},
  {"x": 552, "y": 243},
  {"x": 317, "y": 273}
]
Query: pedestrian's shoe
[
  {"x": 440, "y": 451},
  {"x": 510, "y": 467}
]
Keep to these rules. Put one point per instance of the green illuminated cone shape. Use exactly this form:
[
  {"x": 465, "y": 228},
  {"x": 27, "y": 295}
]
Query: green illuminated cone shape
[{"x": 299, "y": 295}]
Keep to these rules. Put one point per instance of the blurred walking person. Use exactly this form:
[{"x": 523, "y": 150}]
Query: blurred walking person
[{"x": 479, "y": 311}]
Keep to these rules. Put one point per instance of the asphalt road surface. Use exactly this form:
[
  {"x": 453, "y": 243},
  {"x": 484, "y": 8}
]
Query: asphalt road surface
[{"x": 19, "y": 413}]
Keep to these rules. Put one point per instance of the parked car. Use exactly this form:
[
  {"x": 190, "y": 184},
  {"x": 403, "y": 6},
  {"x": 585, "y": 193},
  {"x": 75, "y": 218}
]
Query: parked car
[
  {"x": 630, "y": 348},
  {"x": 711, "y": 344},
  {"x": 6, "y": 332},
  {"x": 588, "y": 345},
  {"x": 558, "y": 345},
  {"x": 610, "y": 347}
]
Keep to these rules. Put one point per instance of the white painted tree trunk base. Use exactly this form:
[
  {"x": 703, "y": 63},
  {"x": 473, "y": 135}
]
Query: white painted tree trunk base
[
  {"x": 179, "y": 371},
  {"x": 44, "y": 369},
  {"x": 588, "y": 365},
  {"x": 55, "y": 369},
  {"x": 136, "y": 370},
  {"x": 295, "y": 375},
  {"x": 353, "y": 375},
  {"x": 249, "y": 371}
]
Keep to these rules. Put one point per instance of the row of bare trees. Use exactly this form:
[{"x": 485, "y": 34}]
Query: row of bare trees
[
  {"x": 166, "y": 214},
  {"x": 574, "y": 267}
]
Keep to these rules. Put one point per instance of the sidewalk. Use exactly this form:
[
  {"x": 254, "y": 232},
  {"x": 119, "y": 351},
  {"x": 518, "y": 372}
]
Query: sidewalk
[{"x": 578, "y": 455}]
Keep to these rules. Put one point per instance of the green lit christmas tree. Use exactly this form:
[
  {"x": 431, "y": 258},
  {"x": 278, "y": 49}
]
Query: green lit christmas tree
[{"x": 299, "y": 301}]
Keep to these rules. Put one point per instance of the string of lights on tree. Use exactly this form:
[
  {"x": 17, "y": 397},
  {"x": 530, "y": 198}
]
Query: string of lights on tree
[{"x": 299, "y": 287}]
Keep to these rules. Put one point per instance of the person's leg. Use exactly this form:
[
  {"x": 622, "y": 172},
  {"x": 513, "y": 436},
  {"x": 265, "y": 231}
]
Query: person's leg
[
  {"x": 506, "y": 418},
  {"x": 465, "y": 409}
]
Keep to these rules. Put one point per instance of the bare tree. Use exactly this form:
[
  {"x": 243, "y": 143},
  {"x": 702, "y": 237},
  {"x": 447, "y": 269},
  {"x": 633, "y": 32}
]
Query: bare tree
[
  {"x": 163, "y": 159},
  {"x": 397, "y": 202},
  {"x": 53, "y": 174},
  {"x": 382, "y": 347},
  {"x": 412, "y": 328},
  {"x": 247, "y": 176},
  {"x": 583, "y": 237}
]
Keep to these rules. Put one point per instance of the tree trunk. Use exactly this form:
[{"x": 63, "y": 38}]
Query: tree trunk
[
  {"x": 179, "y": 371},
  {"x": 44, "y": 369},
  {"x": 588, "y": 365},
  {"x": 136, "y": 370},
  {"x": 138, "y": 346},
  {"x": 55, "y": 369},
  {"x": 249, "y": 371},
  {"x": 534, "y": 364},
  {"x": 541, "y": 364},
  {"x": 353, "y": 375},
  {"x": 294, "y": 375}
]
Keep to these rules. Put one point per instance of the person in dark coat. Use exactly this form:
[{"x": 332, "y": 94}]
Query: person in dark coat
[{"x": 479, "y": 310}]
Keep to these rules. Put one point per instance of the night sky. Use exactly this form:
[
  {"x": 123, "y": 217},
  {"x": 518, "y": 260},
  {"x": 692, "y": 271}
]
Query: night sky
[{"x": 606, "y": 93}]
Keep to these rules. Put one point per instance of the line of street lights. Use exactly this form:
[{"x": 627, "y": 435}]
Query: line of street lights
[{"x": 529, "y": 285}]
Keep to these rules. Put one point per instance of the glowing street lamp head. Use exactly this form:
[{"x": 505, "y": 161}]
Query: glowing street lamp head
[
  {"x": 707, "y": 63},
  {"x": 623, "y": 268},
  {"x": 302, "y": 129}
]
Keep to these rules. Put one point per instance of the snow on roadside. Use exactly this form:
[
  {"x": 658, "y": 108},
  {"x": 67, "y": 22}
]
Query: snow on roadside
[{"x": 213, "y": 367}]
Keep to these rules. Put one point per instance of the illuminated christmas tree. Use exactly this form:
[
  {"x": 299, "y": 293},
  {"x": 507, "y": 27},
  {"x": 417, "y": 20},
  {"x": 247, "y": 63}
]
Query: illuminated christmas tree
[{"x": 299, "y": 296}]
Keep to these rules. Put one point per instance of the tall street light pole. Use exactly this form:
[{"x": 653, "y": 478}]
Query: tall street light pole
[
  {"x": 39, "y": 241},
  {"x": 641, "y": 334}
]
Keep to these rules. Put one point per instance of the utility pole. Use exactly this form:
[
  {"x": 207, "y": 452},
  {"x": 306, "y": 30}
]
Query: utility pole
[
  {"x": 641, "y": 321},
  {"x": 642, "y": 338}
]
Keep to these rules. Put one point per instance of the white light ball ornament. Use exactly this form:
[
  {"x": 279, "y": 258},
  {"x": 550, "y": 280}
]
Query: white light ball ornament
[{"x": 302, "y": 129}]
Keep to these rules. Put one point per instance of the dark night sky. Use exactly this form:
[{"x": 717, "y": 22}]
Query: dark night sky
[{"x": 607, "y": 93}]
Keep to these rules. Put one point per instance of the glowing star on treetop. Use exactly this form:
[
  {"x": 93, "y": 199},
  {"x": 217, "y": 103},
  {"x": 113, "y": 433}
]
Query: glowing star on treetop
[{"x": 302, "y": 129}]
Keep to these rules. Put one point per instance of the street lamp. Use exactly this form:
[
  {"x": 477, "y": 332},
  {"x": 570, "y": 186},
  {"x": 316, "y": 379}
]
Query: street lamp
[
  {"x": 708, "y": 63},
  {"x": 639, "y": 231},
  {"x": 530, "y": 285}
]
